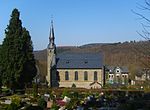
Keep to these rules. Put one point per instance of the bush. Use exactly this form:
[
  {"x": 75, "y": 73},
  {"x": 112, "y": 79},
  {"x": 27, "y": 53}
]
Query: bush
[
  {"x": 42, "y": 103},
  {"x": 55, "y": 106},
  {"x": 75, "y": 95},
  {"x": 72, "y": 104},
  {"x": 16, "y": 100},
  {"x": 12, "y": 106},
  {"x": 5, "y": 90},
  {"x": 65, "y": 93},
  {"x": 124, "y": 87},
  {"x": 35, "y": 90}
]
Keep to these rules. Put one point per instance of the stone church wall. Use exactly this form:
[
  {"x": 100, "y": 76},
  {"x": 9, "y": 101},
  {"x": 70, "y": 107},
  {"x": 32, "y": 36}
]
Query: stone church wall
[{"x": 80, "y": 83}]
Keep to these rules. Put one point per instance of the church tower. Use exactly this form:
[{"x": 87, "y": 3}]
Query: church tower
[{"x": 51, "y": 59}]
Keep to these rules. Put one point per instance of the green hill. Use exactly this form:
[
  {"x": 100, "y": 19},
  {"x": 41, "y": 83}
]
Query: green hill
[{"x": 130, "y": 54}]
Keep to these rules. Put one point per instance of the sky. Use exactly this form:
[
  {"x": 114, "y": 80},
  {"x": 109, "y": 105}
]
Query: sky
[{"x": 76, "y": 22}]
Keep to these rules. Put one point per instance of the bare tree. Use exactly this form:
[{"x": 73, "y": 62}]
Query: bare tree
[
  {"x": 145, "y": 20},
  {"x": 144, "y": 50}
]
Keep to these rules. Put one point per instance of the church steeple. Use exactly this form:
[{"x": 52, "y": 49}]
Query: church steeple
[
  {"x": 51, "y": 58},
  {"x": 51, "y": 36}
]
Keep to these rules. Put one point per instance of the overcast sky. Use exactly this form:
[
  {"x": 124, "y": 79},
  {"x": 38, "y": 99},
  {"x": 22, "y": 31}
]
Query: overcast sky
[{"x": 76, "y": 22}]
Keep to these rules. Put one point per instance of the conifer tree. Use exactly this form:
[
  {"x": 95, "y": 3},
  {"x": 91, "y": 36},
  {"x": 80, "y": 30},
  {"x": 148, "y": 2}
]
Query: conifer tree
[
  {"x": 29, "y": 68},
  {"x": 0, "y": 81},
  {"x": 17, "y": 60}
]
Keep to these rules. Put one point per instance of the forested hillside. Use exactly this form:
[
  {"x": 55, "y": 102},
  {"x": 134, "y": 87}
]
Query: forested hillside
[{"x": 130, "y": 54}]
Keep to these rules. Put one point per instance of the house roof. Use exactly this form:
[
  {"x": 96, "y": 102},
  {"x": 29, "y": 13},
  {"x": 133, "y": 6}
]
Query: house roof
[
  {"x": 112, "y": 69},
  {"x": 140, "y": 72},
  {"x": 79, "y": 60}
]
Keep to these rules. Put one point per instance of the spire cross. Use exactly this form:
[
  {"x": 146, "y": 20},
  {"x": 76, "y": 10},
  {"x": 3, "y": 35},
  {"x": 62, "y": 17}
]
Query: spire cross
[{"x": 51, "y": 19}]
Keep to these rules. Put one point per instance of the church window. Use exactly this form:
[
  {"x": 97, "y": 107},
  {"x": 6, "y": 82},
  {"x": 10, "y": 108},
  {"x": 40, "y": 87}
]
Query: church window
[
  {"x": 66, "y": 75},
  {"x": 95, "y": 75},
  {"x": 76, "y": 75},
  {"x": 85, "y": 75}
]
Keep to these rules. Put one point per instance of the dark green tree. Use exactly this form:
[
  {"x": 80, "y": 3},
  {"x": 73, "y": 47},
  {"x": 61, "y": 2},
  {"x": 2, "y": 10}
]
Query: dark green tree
[
  {"x": 29, "y": 68},
  {"x": 17, "y": 59},
  {"x": 0, "y": 73},
  {"x": 0, "y": 80}
]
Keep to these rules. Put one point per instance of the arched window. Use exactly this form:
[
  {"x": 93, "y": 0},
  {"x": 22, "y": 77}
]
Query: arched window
[
  {"x": 76, "y": 75},
  {"x": 66, "y": 75},
  {"x": 85, "y": 75},
  {"x": 95, "y": 75},
  {"x": 57, "y": 76}
]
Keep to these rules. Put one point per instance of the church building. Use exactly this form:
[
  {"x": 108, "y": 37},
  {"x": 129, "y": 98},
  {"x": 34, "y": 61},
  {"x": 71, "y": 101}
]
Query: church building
[{"x": 80, "y": 70}]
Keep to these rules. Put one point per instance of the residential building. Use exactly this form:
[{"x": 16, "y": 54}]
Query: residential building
[
  {"x": 116, "y": 75},
  {"x": 142, "y": 76}
]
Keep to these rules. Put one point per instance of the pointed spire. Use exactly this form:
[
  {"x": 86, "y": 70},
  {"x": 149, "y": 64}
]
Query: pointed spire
[{"x": 51, "y": 36}]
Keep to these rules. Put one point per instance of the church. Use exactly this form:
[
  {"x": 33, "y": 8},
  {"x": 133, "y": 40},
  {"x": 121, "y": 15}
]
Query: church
[{"x": 80, "y": 70}]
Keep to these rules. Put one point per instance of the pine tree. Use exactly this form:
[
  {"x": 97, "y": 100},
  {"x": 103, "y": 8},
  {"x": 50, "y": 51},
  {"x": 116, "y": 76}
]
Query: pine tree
[
  {"x": 17, "y": 60},
  {"x": 29, "y": 68},
  {"x": 0, "y": 72}
]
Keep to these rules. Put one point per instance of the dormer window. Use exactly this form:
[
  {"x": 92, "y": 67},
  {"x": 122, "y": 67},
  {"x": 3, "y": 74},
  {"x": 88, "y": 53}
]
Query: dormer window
[
  {"x": 67, "y": 61},
  {"x": 117, "y": 70},
  {"x": 85, "y": 62}
]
